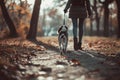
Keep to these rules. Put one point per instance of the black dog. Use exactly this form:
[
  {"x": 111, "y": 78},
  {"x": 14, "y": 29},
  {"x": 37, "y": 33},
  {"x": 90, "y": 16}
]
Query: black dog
[{"x": 63, "y": 38}]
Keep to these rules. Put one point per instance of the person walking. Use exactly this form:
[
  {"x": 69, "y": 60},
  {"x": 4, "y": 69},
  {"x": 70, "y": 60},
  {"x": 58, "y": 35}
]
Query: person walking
[{"x": 79, "y": 9}]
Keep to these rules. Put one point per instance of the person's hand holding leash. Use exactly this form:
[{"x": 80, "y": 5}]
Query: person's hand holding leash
[{"x": 65, "y": 10}]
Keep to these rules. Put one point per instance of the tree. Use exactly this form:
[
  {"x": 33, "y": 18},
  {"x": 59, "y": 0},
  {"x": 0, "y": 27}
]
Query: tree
[
  {"x": 95, "y": 7},
  {"x": 34, "y": 21},
  {"x": 106, "y": 16},
  {"x": 118, "y": 17},
  {"x": 8, "y": 20}
]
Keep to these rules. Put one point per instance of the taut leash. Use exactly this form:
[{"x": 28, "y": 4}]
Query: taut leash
[{"x": 64, "y": 20}]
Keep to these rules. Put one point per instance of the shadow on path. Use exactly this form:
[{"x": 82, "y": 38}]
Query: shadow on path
[
  {"x": 47, "y": 46},
  {"x": 95, "y": 63}
]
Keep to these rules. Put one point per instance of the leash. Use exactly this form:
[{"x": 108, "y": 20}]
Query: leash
[{"x": 64, "y": 20}]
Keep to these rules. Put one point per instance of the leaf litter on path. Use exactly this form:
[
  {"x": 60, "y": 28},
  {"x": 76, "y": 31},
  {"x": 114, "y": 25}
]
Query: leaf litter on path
[{"x": 20, "y": 52}]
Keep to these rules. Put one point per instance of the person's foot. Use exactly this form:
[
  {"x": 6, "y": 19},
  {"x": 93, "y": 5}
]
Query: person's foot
[
  {"x": 75, "y": 44},
  {"x": 79, "y": 46},
  {"x": 75, "y": 49}
]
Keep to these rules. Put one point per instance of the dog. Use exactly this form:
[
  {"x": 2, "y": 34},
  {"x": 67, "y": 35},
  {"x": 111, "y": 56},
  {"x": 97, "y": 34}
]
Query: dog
[{"x": 63, "y": 38}]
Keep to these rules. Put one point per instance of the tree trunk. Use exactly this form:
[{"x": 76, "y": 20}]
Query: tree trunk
[
  {"x": 106, "y": 20},
  {"x": 118, "y": 17},
  {"x": 91, "y": 28},
  {"x": 98, "y": 25},
  {"x": 8, "y": 20},
  {"x": 97, "y": 18},
  {"x": 106, "y": 16},
  {"x": 34, "y": 21}
]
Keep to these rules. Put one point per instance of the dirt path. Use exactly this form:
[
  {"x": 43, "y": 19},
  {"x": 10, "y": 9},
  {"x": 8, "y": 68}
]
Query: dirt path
[
  {"x": 75, "y": 65},
  {"x": 78, "y": 65},
  {"x": 50, "y": 65}
]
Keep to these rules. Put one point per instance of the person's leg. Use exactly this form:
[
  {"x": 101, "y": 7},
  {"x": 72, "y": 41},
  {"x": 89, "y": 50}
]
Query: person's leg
[
  {"x": 74, "y": 21},
  {"x": 81, "y": 21}
]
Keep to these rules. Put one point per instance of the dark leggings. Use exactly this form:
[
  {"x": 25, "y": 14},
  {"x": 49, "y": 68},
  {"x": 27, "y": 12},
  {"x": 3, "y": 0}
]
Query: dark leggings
[{"x": 78, "y": 22}]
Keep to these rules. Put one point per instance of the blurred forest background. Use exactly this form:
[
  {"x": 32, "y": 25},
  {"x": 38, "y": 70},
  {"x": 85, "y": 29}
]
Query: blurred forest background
[{"x": 17, "y": 16}]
